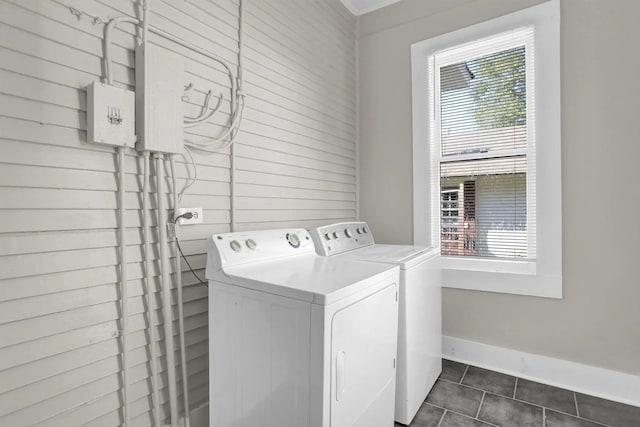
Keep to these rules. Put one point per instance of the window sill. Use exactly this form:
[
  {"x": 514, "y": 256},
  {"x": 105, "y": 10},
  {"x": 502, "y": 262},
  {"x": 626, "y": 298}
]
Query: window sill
[
  {"x": 489, "y": 265},
  {"x": 508, "y": 282}
]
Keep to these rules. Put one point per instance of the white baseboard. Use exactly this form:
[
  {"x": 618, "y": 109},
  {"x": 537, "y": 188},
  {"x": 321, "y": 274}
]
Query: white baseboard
[{"x": 604, "y": 383}]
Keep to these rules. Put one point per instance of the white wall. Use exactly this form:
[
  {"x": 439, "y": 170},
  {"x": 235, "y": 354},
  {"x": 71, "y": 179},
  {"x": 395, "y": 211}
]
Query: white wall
[
  {"x": 597, "y": 322},
  {"x": 296, "y": 166}
]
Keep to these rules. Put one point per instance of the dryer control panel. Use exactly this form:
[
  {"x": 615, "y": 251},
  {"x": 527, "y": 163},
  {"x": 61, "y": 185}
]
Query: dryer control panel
[
  {"x": 342, "y": 237},
  {"x": 231, "y": 249}
]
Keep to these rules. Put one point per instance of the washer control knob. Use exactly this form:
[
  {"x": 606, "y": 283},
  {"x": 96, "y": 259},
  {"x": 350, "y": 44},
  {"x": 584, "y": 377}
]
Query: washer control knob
[
  {"x": 358, "y": 230},
  {"x": 335, "y": 235},
  {"x": 293, "y": 240},
  {"x": 364, "y": 229},
  {"x": 327, "y": 236},
  {"x": 347, "y": 232},
  {"x": 235, "y": 245},
  {"x": 251, "y": 244}
]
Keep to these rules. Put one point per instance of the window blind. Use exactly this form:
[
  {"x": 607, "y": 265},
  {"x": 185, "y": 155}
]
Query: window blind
[{"x": 484, "y": 126}]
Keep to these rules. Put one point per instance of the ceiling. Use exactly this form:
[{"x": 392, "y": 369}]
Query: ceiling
[{"x": 359, "y": 7}]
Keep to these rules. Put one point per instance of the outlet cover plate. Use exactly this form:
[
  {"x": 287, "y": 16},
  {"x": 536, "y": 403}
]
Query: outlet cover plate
[{"x": 198, "y": 216}]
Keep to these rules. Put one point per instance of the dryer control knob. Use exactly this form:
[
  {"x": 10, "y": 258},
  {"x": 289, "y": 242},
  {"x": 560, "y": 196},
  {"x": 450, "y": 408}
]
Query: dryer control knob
[
  {"x": 358, "y": 230},
  {"x": 347, "y": 232},
  {"x": 327, "y": 236},
  {"x": 235, "y": 245},
  {"x": 293, "y": 240},
  {"x": 251, "y": 244},
  {"x": 364, "y": 229},
  {"x": 335, "y": 235}
]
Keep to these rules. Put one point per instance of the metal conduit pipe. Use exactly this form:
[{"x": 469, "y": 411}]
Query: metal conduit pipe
[
  {"x": 113, "y": 23},
  {"x": 240, "y": 43},
  {"x": 149, "y": 297},
  {"x": 167, "y": 315},
  {"x": 237, "y": 108},
  {"x": 155, "y": 394},
  {"x": 178, "y": 272},
  {"x": 232, "y": 188},
  {"x": 124, "y": 293},
  {"x": 232, "y": 159}
]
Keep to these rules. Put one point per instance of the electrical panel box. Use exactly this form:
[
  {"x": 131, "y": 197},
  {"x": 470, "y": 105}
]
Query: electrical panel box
[
  {"x": 159, "y": 90},
  {"x": 110, "y": 115}
]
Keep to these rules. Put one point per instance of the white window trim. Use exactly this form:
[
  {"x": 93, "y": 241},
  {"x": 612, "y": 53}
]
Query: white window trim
[{"x": 544, "y": 276}]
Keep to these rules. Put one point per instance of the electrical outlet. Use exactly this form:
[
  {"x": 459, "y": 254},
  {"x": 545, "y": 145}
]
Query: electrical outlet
[{"x": 197, "y": 218}]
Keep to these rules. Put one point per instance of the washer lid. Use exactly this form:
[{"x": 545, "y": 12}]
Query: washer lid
[
  {"x": 312, "y": 278},
  {"x": 403, "y": 255}
]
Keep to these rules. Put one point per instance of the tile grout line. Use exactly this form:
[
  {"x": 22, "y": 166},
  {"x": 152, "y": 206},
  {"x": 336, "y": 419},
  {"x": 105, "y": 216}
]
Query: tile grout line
[
  {"x": 459, "y": 413},
  {"x": 575, "y": 400},
  {"x": 441, "y": 418},
  {"x": 464, "y": 374},
  {"x": 544, "y": 417},
  {"x": 486, "y": 391},
  {"x": 480, "y": 406},
  {"x": 544, "y": 408},
  {"x": 515, "y": 387},
  {"x": 598, "y": 423}
]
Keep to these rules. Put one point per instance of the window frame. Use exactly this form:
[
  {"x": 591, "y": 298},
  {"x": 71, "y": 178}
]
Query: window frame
[{"x": 542, "y": 277}]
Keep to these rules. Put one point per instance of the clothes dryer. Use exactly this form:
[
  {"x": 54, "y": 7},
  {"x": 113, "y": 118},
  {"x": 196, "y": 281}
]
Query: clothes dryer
[
  {"x": 297, "y": 339},
  {"x": 420, "y": 310}
]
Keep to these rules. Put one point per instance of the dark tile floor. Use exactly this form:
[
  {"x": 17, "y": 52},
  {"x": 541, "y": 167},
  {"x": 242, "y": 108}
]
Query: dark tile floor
[{"x": 466, "y": 396}]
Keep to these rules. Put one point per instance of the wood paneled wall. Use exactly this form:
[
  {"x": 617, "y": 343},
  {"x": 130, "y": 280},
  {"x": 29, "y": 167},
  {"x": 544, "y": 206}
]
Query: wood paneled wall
[{"x": 60, "y": 358}]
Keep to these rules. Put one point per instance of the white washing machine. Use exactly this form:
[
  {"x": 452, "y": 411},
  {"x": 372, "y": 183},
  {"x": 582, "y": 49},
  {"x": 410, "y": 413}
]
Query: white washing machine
[
  {"x": 296, "y": 339},
  {"x": 420, "y": 311}
]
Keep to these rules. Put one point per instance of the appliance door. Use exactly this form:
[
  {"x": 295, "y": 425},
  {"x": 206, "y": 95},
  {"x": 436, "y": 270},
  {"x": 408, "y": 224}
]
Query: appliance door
[{"x": 363, "y": 352}]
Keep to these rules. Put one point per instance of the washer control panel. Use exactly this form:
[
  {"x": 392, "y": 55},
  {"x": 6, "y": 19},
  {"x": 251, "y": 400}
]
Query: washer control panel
[
  {"x": 229, "y": 249},
  {"x": 341, "y": 237}
]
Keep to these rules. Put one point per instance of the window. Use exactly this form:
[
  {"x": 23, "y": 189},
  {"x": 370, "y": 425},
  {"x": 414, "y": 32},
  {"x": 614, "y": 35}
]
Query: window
[
  {"x": 486, "y": 117},
  {"x": 484, "y": 127}
]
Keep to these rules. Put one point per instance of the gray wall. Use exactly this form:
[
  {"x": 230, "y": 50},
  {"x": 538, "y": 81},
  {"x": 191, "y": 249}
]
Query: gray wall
[
  {"x": 296, "y": 166},
  {"x": 598, "y": 321}
]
